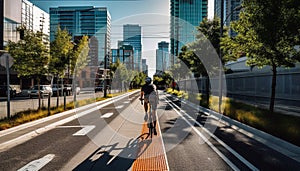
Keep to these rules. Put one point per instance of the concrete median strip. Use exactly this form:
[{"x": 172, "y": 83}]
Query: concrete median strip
[{"x": 30, "y": 135}]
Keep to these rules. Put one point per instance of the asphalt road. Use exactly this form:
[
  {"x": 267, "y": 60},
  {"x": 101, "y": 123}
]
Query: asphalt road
[{"x": 111, "y": 143}]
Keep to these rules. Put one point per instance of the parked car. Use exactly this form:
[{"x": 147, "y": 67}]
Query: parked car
[
  {"x": 56, "y": 89},
  {"x": 68, "y": 89},
  {"x": 3, "y": 91},
  {"x": 98, "y": 88},
  {"x": 101, "y": 88},
  {"x": 45, "y": 90}
]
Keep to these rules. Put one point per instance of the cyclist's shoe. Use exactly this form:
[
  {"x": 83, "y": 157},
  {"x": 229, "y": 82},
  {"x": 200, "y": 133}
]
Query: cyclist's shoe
[
  {"x": 154, "y": 131},
  {"x": 146, "y": 117}
]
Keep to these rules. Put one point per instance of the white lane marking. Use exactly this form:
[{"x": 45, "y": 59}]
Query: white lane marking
[
  {"x": 242, "y": 159},
  {"x": 233, "y": 166},
  {"x": 37, "y": 164},
  {"x": 119, "y": 107},
  {"x": 85, "y": 129},
  {"x": 29, "y": 124},
  {"x": 30, "y": 135},
  {"x": 107, "y": 115},
  {"x": 126, "y": 102},
  {"x": 161, "y": 137}
]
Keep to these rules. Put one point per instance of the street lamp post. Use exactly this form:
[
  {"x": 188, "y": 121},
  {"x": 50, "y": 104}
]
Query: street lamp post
[
  {"x": 105, "y": 67},
  {"x": 220, "y": 52},
  {"x": 220, "y": 55},
  {"x": 1, "y": 24}
]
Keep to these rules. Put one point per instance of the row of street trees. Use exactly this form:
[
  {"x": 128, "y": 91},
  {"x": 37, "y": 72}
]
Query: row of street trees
[
  {"x": 124, "y": 78},
  {"x": 267, "y": 33},
  {"x": 34, "y": 58}
]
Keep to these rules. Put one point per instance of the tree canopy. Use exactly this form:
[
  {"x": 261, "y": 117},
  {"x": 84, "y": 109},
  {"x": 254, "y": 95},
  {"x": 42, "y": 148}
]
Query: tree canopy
[
  {"x": 267, "y": 33},
  {"x": 31, "y": 55}
]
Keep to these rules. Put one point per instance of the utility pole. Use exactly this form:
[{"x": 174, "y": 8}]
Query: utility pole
[
  {"x": 220, "y": 55},
  {"x": 105, "y": 66},
  {"x": 1, "y": 24}
]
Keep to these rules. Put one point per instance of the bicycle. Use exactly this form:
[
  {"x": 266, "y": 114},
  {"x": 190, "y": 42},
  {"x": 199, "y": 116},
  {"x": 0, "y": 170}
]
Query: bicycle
[{"x": 150, "y": 123}]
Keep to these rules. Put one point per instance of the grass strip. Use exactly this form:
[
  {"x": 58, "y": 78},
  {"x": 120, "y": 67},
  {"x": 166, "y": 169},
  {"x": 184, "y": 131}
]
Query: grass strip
[
  {"x": 31, "y": 115},
  {"x": 283, "y": 126}
]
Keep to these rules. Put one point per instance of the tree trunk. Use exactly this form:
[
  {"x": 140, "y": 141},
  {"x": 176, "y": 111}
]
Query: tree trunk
[
  {"x": 207, "y": 91},
  {"x": 39, "y": 93},
  {"x": 273, "y": 91},
  {"x": 57, "y": 93}
]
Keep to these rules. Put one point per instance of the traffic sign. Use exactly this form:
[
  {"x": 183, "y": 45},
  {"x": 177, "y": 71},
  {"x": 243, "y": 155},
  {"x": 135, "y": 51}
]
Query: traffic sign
[{"x": 3, "y": 59}]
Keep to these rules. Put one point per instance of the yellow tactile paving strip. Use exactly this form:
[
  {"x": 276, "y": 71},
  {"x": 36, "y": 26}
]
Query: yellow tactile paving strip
[{"x": 151, "y": 156}]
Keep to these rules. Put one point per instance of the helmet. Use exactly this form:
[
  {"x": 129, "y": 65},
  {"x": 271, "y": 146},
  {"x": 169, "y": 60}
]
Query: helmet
[{"x": 148, "y": 80}]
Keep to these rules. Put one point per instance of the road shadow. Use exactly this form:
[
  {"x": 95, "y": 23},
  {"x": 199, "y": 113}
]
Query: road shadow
[{"x": 103, "y": 159}]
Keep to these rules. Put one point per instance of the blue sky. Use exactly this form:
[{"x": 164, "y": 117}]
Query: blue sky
[
  {"x": 117, "y": 8},
  {"x": 152, "y": 15}
]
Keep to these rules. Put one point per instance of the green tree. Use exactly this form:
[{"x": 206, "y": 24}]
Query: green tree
[
  {"x": 60, "y": 49},
  {"x": 267, "y": 33},
  {"x": 120, "y": 75},
  {"x": 31, "y": 55},
  {"x": 78, "y": 57}
]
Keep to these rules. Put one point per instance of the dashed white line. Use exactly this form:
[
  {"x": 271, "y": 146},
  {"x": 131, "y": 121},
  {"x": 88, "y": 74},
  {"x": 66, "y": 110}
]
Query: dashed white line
[
  {"x": 119, "y": 107},
  {"x": 107, "y": 115},
  {"x": 85, "y": 129}
]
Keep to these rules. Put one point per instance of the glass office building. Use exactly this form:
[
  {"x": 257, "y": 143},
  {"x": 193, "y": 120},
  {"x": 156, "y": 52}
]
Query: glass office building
[
  {"x": 125, "y": 55},
  {"x": 231, "y": 11},
  {"x": 162, "y": 57},
  {"x": 84, "y": 20},
  {"x": 132, "y": 36},
  {"x": 186, "y": 15}
]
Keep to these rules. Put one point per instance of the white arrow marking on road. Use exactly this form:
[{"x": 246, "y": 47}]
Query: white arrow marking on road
[
  {"x": 107, "y": 115},
  {"x": 85, "y": 129},
  {"x": 37, "y": 164}
]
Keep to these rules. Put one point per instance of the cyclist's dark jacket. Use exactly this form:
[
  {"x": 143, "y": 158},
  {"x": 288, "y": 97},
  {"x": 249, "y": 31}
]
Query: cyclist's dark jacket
[{"x": 148, "y": 88}]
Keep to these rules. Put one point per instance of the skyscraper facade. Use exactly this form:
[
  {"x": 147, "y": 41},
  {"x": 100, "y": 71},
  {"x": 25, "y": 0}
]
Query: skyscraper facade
[
  {"x": 231, "y": 11},
  {"x": 35, "y": 19},
  {"x": 124, "y": 54},
  {"x": 132, "y": 35},
  {"x": 84, "y": 20},
  {"x": 144, "y": 66},
  {"x": 186, "y": 15},
  {"x": 162, "y": 57}
]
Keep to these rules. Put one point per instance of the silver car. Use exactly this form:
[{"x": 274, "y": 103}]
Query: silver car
[{"x": 45, "y": 90}]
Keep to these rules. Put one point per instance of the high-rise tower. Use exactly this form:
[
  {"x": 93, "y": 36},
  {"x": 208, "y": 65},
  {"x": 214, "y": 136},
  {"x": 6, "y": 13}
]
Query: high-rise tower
[
  {"x": 186, "y": 15},
  {"x": 162, "y": 57},
  {"x": 132, "y": 35},
  {"x": 84, "y": 20}
]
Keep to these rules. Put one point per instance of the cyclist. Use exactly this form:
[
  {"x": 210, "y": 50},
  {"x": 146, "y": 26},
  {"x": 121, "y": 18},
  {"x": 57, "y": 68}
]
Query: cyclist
[{"x": 150, "y": 95}]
